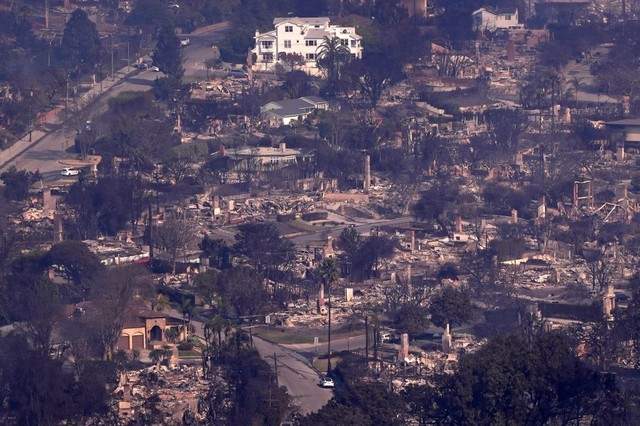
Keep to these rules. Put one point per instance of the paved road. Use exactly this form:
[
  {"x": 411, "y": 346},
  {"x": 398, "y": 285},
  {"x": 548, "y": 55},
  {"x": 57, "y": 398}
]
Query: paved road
[
  {"x": 49, "y": 147},
  {"x": 295, "y": 373}
]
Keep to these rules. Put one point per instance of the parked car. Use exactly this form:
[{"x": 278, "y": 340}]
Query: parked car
[
  {"x": 621, "y": 297},
  {"x": 67, "y": 171},
  {"x": 155, "y": 69},
  {"x": 185, "y": 42},
  {"x": 238, "y": 74},
  {"x": 327, "y": 382}
]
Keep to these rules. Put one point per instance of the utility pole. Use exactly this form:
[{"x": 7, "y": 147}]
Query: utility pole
[
  {"x": 30, "y": 111},
  {"x": 66, "y": 100},
  {"x": 112, "y": 76},
  {"x": 150, "y": 232},
  {"x": 275, "y": 365}
]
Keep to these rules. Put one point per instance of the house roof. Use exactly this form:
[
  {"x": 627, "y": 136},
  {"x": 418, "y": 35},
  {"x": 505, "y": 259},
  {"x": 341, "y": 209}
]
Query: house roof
[
  {"x": 291, "y": 107},
  {"x": 316, "y": 33},
  {"x": 268, "y": 34},
  {"x": 628, "y": 122},
  {"x": 302, "y": 21},
  {"x": 152, "y": 314},
  {"x": 313, "y": 100},
  {"x": 496, "y": 10}
]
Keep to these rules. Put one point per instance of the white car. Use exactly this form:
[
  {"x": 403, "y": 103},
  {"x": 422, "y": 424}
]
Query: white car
[
  {"x": 154, "y": 68},
  {"x": 185, "y": 42},
  {"x": 327, "y": 382},
  {"x": 70, "y": 172}
]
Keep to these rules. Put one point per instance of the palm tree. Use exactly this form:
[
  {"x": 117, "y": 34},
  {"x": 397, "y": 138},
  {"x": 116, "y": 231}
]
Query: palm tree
[
  {"x": 330, "y": 272},
  {"x": 352, "y": 321},
  {"x": 576, "y": 83},
  {"x": 186, "y": 306},
  {"x": 331, "y": 54},
  {"x": 160, "y": 303},
  {"x": 217, "y": 325}
]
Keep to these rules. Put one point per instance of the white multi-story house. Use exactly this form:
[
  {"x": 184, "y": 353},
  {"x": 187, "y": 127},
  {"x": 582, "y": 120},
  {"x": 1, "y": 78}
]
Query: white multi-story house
[
  {"x": 493, "y": 19},
  {"x": 302, "y": 36}
]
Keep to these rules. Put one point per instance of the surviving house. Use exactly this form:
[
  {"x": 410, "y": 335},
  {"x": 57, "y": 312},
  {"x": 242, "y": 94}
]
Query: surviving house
[
  {"x": 145, "y": 329},
  {"x": 494, "y": 19},
  {"x": 303, "y": 37},
  {"x": 283, "y": 112}
]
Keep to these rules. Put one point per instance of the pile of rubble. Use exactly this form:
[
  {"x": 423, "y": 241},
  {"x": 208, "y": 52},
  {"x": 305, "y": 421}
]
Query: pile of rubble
[
  {"x": 178, "y": 389},
  {"x": 276, "y": 205}
]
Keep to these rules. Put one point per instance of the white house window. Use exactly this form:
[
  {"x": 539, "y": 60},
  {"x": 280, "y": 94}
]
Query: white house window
[
  {"x": 266, "y": 44},
  {"x": 267, "y": 57},
  {"x": 311, "y": 42},
  {"x": 310, "y": 56},
  {"x": 353, "y": 43},
  {"x": 507, "y": 17},
  {"x": 288, "y": 28},
  {"x": 344, "y": 42},
  {"x": 287, "y": 44}
]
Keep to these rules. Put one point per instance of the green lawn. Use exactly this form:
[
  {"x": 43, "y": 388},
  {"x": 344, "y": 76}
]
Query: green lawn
[{"x": 293, "y": 335}]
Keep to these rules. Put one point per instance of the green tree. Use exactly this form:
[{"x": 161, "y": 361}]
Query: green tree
[
  {"x": 350, "y": 242},
  {"x": 430, "y": 207},
  {"x": 37, "y": 389},
  {"x": 509, "y": 381},
  {"x": 81, "y": 42},
  {"x": 173, "y": 236},
  {"x": 412, "y": 319},
  {"x": 217, "y": 251},
  {"x": 262, "y": 247},
  {"x": 361, "y": 404},
  {"x": 74, "y": 262},
  {"x": 374, "y": 74},
  {"x": 16, "y": 183},
  {"x": 450, "y": 306},
  {"x": 245, "y": 292},
  {"x": 331, "y": 56},
  {"x": 168, "y": 53}
]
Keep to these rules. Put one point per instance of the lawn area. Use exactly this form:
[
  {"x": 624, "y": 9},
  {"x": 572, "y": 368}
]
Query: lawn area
[
  {"x": 321, "y": 363},
  {"x": 188, "y": 354},
  {"x": 295, "y": 335}
]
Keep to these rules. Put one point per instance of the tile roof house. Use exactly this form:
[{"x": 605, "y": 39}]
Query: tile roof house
[{"x": 145, "y": 329}]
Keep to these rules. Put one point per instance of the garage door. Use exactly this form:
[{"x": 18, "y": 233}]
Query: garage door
[
  {"x": 138, "y": 342},
  {"x": 123, "y": 343}
]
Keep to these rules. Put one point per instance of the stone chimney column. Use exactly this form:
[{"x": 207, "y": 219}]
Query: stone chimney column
[
  {"x": 459, "y": 224},
  {"x": 446, "y": 340},
  {"x": 367, "y": 172},
  {"x": 404, "y": 346}
]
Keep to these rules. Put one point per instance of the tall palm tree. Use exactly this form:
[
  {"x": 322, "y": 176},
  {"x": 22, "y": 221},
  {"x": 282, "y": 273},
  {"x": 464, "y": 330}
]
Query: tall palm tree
[
  {"x": 576, "y": 83},
  {"x": 160, "y": 303},
  {"x": 330, "y": 272},
  {"x": 330, "y": 56},
  {"x": 186, "y": 307}
]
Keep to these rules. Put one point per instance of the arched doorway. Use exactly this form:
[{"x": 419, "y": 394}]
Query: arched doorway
[{"x": 156, "y": 333}]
